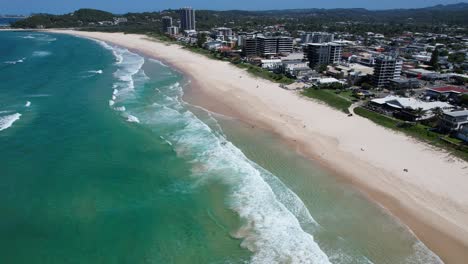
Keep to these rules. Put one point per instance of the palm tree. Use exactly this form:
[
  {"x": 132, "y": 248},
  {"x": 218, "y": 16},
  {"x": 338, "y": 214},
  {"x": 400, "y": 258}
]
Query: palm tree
[
  {"x": 419, "y": 112},
  {"x": 438, "y": 112}
]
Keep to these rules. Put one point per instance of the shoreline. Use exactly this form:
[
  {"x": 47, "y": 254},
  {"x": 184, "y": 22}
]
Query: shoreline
[{"x": 434, "y": 212}]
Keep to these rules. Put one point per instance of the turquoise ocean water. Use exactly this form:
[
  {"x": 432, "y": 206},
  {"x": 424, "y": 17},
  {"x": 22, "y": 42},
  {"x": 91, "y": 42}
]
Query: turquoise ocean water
[{"x": 103, "y": 162}]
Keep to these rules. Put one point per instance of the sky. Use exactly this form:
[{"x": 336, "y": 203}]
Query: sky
[{"x": 124, "y": 6}]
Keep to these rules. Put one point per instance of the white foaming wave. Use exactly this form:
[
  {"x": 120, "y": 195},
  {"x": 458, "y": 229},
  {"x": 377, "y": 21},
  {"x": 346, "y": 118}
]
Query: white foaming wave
[
  {"x": 27, "y": 37},
  {"x": 273, "y": 218},
  {"x": 39, "y": 37},
  {"x": 16, "y": 61},
  {"x": 39, "y": 95},
  {"x": 272, "y": 232},
  {"x": 159, "y": 62},
  {"x": 165, "y": 140},
  {"x": 132, "y": 119},
  {"x": 28, "y": 104},
  {"x": 41, "y": 53},
  {"x": 118, "y": 56},
  {"x": 422, "y": 254},
  {"x": 129, "y": 72},
  {"x": 7, "y": 121},
  {"x": 120, "y": 109}
]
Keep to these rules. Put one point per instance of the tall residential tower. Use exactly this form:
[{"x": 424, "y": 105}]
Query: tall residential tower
[
  {"x": 386, "y": 68},
  {"x": 187, "y": 18}
]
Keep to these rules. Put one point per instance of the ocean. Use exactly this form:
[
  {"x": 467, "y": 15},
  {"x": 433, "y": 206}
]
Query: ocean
[{"x": 102, "y": 161}]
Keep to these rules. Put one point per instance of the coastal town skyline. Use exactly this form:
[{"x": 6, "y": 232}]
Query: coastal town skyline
[{"x": 26, "y": 7}]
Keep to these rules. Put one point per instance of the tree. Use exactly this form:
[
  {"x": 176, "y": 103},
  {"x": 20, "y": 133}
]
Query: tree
[
  {"x": 321, "y": 68},
  {"x": 434, "y": 62},
  {"x": 438, "y": 112},
  {"x": 201, "y": 39},
  {"x": 419, "y": 112},
  {"x": 458, "y": 57}
]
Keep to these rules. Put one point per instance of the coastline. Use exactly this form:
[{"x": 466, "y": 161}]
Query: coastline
[{"x": 429, "y": 198}]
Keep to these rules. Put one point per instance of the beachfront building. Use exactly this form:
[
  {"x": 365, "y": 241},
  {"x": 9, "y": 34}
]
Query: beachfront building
[
  {"x": 223, "y": 33},
  {"x": 249, "y": 47},
  {"x": 271, "y": 64},
  {"x": 166, "y": 23},
  {"x": 410, "y": 109},
  {"x": 446, "y": 92},
  {"x": 271, "y": 46},
  {"x": 267, "y": 46},
  {"x": 187, "y": 18},
  {"x": 322, "y": 53},
  {"x": 386, "y": 68},
  {"x": 453, "y": 121},
  {"x": 173, "y": 30},
  {"x": 296, "y": 68}
]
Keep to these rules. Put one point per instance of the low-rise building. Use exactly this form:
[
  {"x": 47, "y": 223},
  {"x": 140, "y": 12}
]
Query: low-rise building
[
  {"x": 296, "y": 68},
  {"x": 453, "y": 121},
  {"x": 398, "y": 84},
  {"x": 445, "y": 92},
  {"x": 173, "y": 30},
  {"x": 272, "y": 65},
  {"x": 409, "y": 108}
]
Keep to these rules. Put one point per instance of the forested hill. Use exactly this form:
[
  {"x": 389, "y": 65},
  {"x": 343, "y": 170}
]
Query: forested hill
[{"x": 352, "y": 20}]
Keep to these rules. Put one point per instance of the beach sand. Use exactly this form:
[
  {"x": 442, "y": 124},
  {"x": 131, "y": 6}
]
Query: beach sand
[{"x": 430, "y": 198}]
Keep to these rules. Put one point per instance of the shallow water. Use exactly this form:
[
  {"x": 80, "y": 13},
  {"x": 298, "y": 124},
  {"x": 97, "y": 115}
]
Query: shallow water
[{"x": 106, "y": 163}]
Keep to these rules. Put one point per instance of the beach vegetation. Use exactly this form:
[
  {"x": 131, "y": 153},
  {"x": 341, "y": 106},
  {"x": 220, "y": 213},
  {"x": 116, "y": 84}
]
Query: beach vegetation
[
  {"x": 329, "y": 97},
  {"x": 419, "y": 131}
]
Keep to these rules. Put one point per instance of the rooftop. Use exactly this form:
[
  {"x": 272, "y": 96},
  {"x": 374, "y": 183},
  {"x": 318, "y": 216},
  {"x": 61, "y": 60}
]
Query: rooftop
[
  {"x": 457, "y": 113},
  {"x": 410, "y": 103},
  {"x": 453, "y": 89}
]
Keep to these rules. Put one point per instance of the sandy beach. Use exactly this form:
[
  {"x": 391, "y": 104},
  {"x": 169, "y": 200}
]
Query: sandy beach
[{"x": 430, "y": 198}]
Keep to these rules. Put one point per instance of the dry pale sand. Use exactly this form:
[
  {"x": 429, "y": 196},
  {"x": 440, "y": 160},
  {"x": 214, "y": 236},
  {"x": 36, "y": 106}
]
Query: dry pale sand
[{"x": 431, "y": 198}]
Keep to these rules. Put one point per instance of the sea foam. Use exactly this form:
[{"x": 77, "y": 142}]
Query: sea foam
[
  {"x": 272, "y": 213},
  {"x": 41, "y": 53},
  {"x": 16, "y": 61},
  {"x": 7, "y": 121}
]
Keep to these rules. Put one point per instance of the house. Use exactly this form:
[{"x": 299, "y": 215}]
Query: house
[
  {"x": 463, "y": 133},
  {"x": 453, "y": 121},
  {"x": 398, "y": 84},
  {"x": 329, "y": 81},
  {"x": 296, "y": 68},
  {"x": 445, "y": 92},
  {"x": 410, "y": 109},
  {"x": 272, "y": 65}
]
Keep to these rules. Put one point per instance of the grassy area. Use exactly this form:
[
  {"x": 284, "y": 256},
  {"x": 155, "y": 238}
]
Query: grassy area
[
  {"x": 330, "y": 97},
  {"x": 265, "y": 74},
  {"x": 417, "y": 131}
]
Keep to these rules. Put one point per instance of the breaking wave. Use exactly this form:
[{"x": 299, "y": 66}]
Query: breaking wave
[
  {"x": 272, "y": 213},
  {"x": 16, "y": 61},
  {"x": 7, "y": 121},
  {"x": 41, "y": 53}
]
